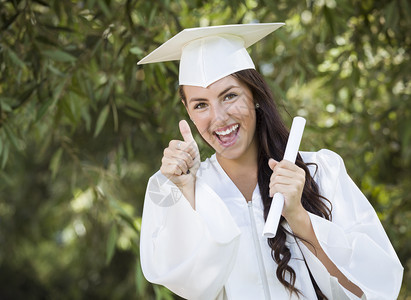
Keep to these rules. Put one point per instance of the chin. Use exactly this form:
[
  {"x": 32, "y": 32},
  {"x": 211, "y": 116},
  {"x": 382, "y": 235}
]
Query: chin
[{"x": 230, "y": 152}]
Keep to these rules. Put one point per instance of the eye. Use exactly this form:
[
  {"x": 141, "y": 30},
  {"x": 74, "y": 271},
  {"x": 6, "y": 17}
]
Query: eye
[
  {"x": 200, "y": 105},
  {"x": 230, "y": 96}
]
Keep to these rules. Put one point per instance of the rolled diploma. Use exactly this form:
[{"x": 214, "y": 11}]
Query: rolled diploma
[{"x": 291, "y": 150}]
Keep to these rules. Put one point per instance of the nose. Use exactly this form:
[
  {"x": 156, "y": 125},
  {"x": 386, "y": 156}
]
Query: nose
[{"x": 219, "y": 114}]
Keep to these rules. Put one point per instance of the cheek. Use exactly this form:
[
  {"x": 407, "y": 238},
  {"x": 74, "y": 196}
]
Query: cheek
[
  {"x": 202, "y": 122},
  {"x": 245, "y": 114}
]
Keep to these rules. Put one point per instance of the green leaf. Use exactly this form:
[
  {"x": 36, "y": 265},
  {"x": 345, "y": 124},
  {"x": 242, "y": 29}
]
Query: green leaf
[
  {"x": 329, "y": 18},
  {"x": 55, "y": 162},
  {"x": 11, "y": 136},
  {"x": 43, "y": 108},
  {"x": 59, "y": 55},
  {"x": 153, "y": 13},
  {"x": 55, "y": 70},
  {"x": 104, "y": 8},
  {"x": 5, "y": 156},
  {"x": 134, "y": 104},
  {"x": 115, "y": 205},
  {"x": 87, "y": 119},
  {"x": 137, "y": 51},
  {"x": 6, "y": 179},
  {"x": 26, "y": 94},
  {"x": 15, "y": 59},
  {"x": 106, "y": 90},
  {"x": 129, "y": 220},
  {"x": 71, "y": 106},
  {"x": 58, "y": 90},
  {"x": 119, "y": 157},
  {"x": 90, "y": 3},
  {"x": 115, "y": 117},
  {"x": 51, "y": 102},
  {"x": 140, "y": 281},
  {"x": 392, "y": 15},
  {"x": 101, "y": 120},
  {"x": 111, "y": 243},
  {"x": 5, "y": 107}
]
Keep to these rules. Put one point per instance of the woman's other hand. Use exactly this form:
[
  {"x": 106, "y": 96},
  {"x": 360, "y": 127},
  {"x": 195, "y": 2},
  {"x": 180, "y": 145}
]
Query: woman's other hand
[{"x": 287, "y": 179}]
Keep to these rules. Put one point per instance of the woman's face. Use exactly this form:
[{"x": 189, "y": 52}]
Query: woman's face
[{"x": 224, "y": 114}]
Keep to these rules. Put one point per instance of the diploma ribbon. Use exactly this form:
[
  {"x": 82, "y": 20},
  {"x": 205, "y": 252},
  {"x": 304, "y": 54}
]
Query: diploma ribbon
[{"x": 291, "y": 150}]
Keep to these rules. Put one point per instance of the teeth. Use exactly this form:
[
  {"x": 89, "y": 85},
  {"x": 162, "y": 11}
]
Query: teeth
[{"x": 228, "y": 131}]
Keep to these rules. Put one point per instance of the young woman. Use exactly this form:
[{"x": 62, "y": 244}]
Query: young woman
[{"x": 202, "y": 222}]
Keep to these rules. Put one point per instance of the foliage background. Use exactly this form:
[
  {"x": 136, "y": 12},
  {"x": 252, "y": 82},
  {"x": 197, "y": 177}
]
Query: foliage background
[{"x": 82, "y": 127}]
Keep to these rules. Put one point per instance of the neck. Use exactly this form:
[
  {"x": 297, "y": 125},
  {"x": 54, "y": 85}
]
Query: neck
[{"x": 245, "y": 165}]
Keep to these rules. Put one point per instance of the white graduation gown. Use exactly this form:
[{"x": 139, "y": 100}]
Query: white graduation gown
[{"x": 211, "y": 252}]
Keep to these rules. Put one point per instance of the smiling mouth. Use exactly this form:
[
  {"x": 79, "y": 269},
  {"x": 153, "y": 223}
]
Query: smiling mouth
[{"x": 228, "y": 135}]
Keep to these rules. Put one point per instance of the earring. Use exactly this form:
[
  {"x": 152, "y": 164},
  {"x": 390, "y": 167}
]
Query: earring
[{"x": 257, "y": 105}]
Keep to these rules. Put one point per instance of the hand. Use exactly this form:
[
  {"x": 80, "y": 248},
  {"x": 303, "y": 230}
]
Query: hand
[
  {"x": 181, "y": 159},
  {"x": 287, "y": 179}
]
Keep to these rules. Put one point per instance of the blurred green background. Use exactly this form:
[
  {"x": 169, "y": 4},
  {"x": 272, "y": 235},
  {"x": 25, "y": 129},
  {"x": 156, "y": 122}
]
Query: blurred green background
[{"x": 82, "y": 127}]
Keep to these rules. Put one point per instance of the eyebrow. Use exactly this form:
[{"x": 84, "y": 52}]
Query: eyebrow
[
  {"x": 219, "y": 95},
  {"x": 226, "y": 90}
]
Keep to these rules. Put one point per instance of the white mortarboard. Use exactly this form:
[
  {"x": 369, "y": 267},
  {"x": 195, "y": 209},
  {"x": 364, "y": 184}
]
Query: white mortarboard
[{"x": 208, "y": 54}]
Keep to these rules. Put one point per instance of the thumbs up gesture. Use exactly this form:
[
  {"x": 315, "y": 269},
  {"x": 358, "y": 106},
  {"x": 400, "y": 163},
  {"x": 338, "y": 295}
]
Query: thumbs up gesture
[{"x": 181, "y": 159}]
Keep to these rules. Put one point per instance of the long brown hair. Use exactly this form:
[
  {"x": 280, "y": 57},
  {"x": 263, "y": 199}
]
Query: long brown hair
[{"x": 272, "y": 137}]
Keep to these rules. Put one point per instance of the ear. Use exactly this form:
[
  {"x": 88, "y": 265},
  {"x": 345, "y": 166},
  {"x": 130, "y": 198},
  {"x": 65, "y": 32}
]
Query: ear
[{"x": 182, "y": 94}]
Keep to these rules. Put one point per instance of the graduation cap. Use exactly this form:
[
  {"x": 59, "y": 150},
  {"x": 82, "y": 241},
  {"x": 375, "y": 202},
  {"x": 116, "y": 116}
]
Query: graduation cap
[{"x": 208, "y": 54}]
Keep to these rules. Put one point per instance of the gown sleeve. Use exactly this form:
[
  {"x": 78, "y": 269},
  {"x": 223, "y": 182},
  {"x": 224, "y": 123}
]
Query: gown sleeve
[
  {"x": 185, "y": 249},
  {"x": 355, "y": 240}
]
